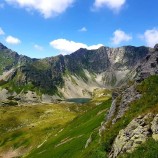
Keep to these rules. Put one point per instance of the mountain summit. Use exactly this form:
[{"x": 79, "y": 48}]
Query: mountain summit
[{"x": 69, "y": 76}]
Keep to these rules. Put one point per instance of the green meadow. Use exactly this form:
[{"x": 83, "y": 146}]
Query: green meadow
[{"x": 51, "y": 130}]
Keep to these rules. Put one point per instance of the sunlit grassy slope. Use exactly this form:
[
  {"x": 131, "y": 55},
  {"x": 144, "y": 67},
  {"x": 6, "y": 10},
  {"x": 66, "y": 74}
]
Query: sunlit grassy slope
[
  {"x": 28, "y": 126},
  {"x": 70, "y": 143},
  {"x": 50, "y": 130}
]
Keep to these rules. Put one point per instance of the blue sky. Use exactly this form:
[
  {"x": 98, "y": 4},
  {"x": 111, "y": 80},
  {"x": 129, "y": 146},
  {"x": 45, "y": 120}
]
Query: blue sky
[{"x": 43, "y": 28}]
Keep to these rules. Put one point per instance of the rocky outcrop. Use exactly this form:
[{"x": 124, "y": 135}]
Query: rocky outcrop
[
  {"x": 121, "y": 102},
  {"x": 148, "y": 66},
  {"x": 156, "y": 47},
  {"x": 154, "y": 128},
  {"x": 123, "y": 96},
  {"x": 135, "y": 134},
  {"x": 6, "y": 97},
  {"x": 2, "y": 47},
  {"x": 142, "y": 127},
  {"x": 89, "y": 140}
]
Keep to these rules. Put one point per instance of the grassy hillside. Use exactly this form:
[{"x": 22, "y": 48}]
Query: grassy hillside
[
  {"x": 147, "y": 103},
  {"x": 5, "y": 61},
  {"x": 62, "y": 130},
  {"x": 70, "y": 143},
  {"x": 54, "y": 129},
  {"x": 28, "y": 126}
]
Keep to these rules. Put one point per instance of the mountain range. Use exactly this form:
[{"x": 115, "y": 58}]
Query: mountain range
[{"x": 70, "y": 76}]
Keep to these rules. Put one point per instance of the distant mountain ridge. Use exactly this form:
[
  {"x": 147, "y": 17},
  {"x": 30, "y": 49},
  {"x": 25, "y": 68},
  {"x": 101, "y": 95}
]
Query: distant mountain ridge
[{"x": 69, "y": 76}]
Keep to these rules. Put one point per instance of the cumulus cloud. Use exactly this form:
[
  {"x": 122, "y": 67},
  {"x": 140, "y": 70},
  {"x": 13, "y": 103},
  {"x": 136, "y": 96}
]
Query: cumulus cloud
[
  {"x": 47, "y": 8},
  {"x": 38, "y": 47},
  {"x": 115, "y": 5},
  {"x": 94, "y": 46},
  {"x": 12, "y": 40},
  {"x": 67, "y": 47},
  {"x": 1, "y": 31},
  {"x": 120, "y": 36},
  {"x": 150, "y": 37},
  {"x": 83, "y": 29}
]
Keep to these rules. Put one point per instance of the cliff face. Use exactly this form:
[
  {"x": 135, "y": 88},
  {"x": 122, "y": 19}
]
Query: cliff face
[
  {"x": 83, "y": 70},
  {"x": 148, "y": 66},
  {"x": 138, "y": 131},
  {"x": 134, "y": 109}
]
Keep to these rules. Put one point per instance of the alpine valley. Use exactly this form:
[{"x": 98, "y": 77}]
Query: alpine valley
[{"x": 92, "y": 103}]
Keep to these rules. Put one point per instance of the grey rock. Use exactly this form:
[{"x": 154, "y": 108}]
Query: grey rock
[
  {"x": 156, "y": 47},
  {"x": 2, "y": 47},
  {"x": 134, "y": 135},
  {"x": 154, "y": 128},
  {"x": 88, "y": 141},
  {"x": 148, "y": 66},
  {"x": 121, "y": 103}
]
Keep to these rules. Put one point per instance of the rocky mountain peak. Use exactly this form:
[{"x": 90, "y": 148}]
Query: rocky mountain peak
[
  {"x": 101, "y": 67},
  {"x": 2, "y": 47},
  {"x": 156, "y": 47}
]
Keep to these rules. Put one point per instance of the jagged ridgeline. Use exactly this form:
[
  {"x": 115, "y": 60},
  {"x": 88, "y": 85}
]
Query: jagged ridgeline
[{"x": 70, "y": 76}]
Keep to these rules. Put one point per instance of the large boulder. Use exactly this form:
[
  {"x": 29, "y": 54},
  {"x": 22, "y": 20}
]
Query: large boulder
[{"x": 135, "y": 134}]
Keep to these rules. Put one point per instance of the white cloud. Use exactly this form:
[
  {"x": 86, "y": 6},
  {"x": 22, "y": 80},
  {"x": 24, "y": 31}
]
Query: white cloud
[
  {"x": 94, "y": 46},
  {"x": 83, "y": 29},
  {"x": 1, "y": 31},
  {"x": 120, "y": 36},
  {"x": 47, "y": 8},
  {"x": 12, "y": 40},
  {"x": 150, "y": 37},
  {"x": 67, "y": 47},
  {"x": 38, "y": 47},
  {"x": 115, "y": 5}
]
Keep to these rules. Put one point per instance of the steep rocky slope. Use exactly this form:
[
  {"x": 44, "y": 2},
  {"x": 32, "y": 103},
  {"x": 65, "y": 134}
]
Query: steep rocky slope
[
  {"x": 135, "y": 134},
  {"x": 148, "y": 66},
  {"x": 132, "y": 118},
  {"x": 70, "y": 76}
]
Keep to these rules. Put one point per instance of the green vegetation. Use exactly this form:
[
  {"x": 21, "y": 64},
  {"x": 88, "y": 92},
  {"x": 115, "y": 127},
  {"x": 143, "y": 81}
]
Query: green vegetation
[
  {"x": 81, "y": 73},
  {"x": 93, "y": 76},
  {"x": 44, "y": 130},
  {"x": 113, "y": 80},
  {"x": 147, "y": 103},
  {"x": 110, "y": 80},
  {"x": 67, "y": 73},
  {"x": 41, "y": 64},
  {"x": 29, "y": 125},
  {"x": 101, "y": 94},
  {"x": 78, "y": 73},
  {"x": 61, "y": 131},
  {"x": 11, "y": 86},
  {"x": 70, "y": 143},
  {"x": 5, "y": 60},
  {"x": 147, "y": 150}
]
